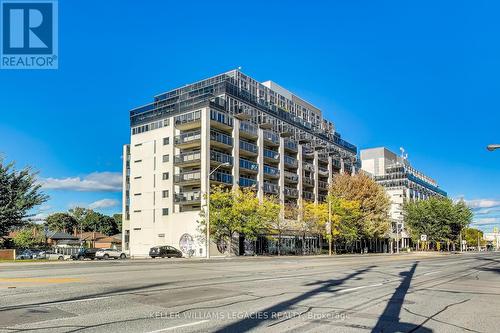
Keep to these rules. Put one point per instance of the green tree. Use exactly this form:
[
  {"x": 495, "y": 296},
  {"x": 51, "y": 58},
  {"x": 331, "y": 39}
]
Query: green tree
[
  {"x": 473, "y": 236},
  {"x": 29, "y": 237},
  {"x": 61, "y": 222},
  {"x": 440, "y": 219},
  {"x": 79, "y": 214},
  {"x": 118, "y": 221},
  {"x": 271, "y": 219},
  {"x": 345, "y": 216},
  {"x": 95, "y": 221},
  {"x": 19, "y": 193}
]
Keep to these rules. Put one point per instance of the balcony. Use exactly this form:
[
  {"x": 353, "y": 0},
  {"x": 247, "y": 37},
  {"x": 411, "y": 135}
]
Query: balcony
[
  {"x": 188, "y": 121},
  {"x": 188, "y": 140},
  {"x": 290, "y": 192},
  {"x": 271, "y": 171},
  {"x": 186, "y": 198},
  {"x": 248, "y": 130},
  {"x": 291, "y": 177},
  {"x": 271, "y": 138},
  {"x": 290, "y": 145},
  {"x": 220, "y": 158},
  {"x": 308, "y": 182},
  {"x": 290, "y": 162},
  {"x": 220, "y": 120},
  {"x": 321, "y": 198},
  {"x": 221, "y": 177},
  {"x": 308, "y": 167},
  {"x": 336, "y": 163},
  {"x": 188, "y": 178},
  {"x": 307, "y": 195},
  {"x": 307, "y": 152},
  {"x": 271, "y": 188},
  {"x": 248, "y": 149},
  {"x": 246, "y": 165},
  {"x": 221, "y": 140},
  {"x": 323, "y": 185},
  {"x": 191, "y": 158},
  {"x": 247, "y": 182},
  {"x": 323, "y": 171},
  {"x": 271, "y": 156}
]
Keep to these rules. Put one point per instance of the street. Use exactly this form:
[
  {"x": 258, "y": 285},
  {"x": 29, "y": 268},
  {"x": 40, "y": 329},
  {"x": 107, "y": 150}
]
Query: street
[{"x": 377, "y": 293}]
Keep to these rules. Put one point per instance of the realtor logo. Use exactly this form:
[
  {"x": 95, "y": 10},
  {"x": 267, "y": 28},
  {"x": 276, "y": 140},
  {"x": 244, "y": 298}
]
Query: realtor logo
[{"x": 29, "y": 34}]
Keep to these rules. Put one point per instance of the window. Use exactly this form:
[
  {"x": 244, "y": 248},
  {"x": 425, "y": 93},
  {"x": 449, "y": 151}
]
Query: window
[
  {"x": 138, "y": 145},
  {"x": 165, "y": 176},
  {"x": 166, "y": 141},
  {"x": 137, "y": 161},
  {"x": 164, "y": 211},
  {"x": 166, "y": 158},
  {"x": 164, "y": 194},
  {"x": 137, "y": 211},
  {"x": 166, "y": 122},
  {"x": 137, "y": 194}
]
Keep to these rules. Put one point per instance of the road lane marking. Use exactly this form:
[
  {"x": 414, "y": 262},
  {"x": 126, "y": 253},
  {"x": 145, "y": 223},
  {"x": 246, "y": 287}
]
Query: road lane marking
[
  {"x": 360, "y": 287},
  {"x": 40, "y": 280},
  {"x": 78, "y": 300},
  {"x": 179, "y": 326}
]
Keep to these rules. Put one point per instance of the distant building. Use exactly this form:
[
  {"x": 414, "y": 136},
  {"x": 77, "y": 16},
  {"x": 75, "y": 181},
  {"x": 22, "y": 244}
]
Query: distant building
[{"x": 402, "y": 183}]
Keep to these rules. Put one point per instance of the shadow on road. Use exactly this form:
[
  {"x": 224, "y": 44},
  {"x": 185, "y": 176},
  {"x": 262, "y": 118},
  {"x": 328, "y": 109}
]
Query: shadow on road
[
  {"x": 273, "y": 313},
  {"x": 389, "y": 320}
]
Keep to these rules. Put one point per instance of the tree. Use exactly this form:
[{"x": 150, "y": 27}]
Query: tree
[
  {"x": 440, "y": 219},
  {"x": 95, "y": 221},
  {"x": 61, "y": 222},
  {"x": 79, "y": 213},
  {"x": 19, "y": 193},
  {"x": 312, "y": 219},
  {"x": 29, "y": 237},
  {"x": 269, "y": 214},
  {"x": 473, "y": 237},
  {"x": 344, "y": 218},
  {"x": 118, "y": 221},
  {"x": 373, "y": 203}
]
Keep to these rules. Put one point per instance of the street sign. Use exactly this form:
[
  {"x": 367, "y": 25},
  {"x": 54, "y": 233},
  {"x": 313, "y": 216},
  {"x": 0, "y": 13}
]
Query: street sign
[{"x": 423, "y": 238}]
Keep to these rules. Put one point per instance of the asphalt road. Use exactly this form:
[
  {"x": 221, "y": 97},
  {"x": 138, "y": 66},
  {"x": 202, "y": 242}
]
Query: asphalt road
[{"x": 377, "y": 293}]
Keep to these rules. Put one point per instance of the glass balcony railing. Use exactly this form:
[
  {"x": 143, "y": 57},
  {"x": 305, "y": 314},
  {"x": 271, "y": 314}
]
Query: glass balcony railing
[
  {"x": 290, "y": 192},
  {"x": 307, "y": 195},
  {"x": 187, "y": 137},
  {"x": 187, "y": 176},
  {"x": 221, "y": 118},
  {"x": 191, "y": 156},
  {"x": 217, "y": 156},
  {"x": 292, "y": 177},
  {"x": 323, "y": 171},
  {"x": 221, "y": 177},
  {"x": 192, "y": 196},
  {"x": 248, "y": 146},
  {"x": 271, "y": 154},
  {"x": 269, "y": 170},
  {"x": 271, "y": 188},
  {"x": 290, "y": 145},
  {"x": 272, "y": 137},
  {"x": 308, "y": 181},
  {"x": 291, "y": 161},
  {"x": 188, "y": 118},
  {"x": 323, "y": 185},
  {"x": 249, "y": 165},
  {"x": 308, "y": 167},
  {"x": 248, "y": 128},
  {"x": 221, "y": 137},
  {"x": 247, "y": 182}
]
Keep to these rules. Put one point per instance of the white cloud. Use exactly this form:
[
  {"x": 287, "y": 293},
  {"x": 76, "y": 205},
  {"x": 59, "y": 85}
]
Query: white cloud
[
  {"x": 486, "y": 221},
  {"x": 483, "y": 203},
  {"x": 94, "y": 182},
  {"x": 104, "y": 203}
]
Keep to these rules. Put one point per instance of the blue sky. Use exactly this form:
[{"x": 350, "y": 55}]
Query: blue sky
[{"x": 423, "y": 75}]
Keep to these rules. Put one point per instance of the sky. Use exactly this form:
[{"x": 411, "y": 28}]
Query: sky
[{"x": 423, "y": 75}]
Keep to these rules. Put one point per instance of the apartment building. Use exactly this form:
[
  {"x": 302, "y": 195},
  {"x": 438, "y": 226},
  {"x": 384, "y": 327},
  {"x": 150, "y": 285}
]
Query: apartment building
[
  {"x": 402, "y": 183},
  {"x": 229, "y": 129}
]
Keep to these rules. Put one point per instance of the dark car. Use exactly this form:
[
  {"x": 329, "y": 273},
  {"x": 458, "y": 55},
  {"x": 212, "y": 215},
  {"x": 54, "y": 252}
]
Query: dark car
[
  {"x": 84, "y": 254},
  {"x": 164, "y": 251}
]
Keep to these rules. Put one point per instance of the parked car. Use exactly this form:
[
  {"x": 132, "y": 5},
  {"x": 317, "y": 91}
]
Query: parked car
[
  {"x": 49, "y": 255},
  {"x": 84, "y": 254},
  {"x": 164, "y": 251},
  {"x": 30, "y": 254},
  {"x": 110, "y": 253}
]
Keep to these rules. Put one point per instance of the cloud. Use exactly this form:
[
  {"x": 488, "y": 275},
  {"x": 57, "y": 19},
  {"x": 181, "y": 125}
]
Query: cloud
[
  {"x": 94, "y": 182},
  {"x": 486, "y": 221},
  {"x": 104, "y": 203},
  {"x": 483, "y": 203}
]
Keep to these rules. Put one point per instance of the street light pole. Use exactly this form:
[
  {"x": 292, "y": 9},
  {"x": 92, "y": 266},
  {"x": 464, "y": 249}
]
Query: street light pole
[
  {"x": 329, "y": 227},
  {"x": 493, "y": 147},
  {"x": 208, "y": 208}
]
